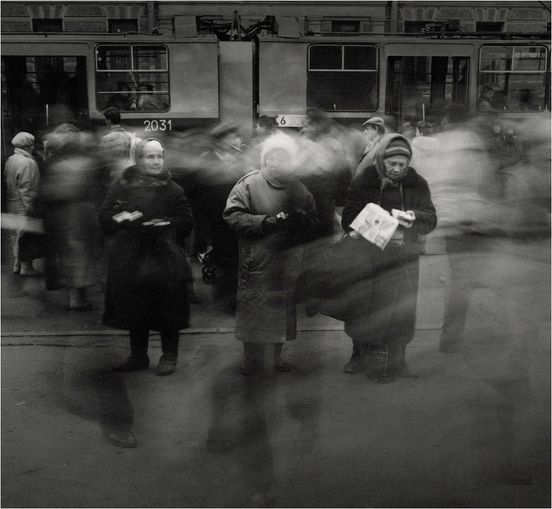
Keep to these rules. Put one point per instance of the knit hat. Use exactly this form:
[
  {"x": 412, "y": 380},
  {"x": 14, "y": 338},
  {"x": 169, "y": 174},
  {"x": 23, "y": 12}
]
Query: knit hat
[
  {"x": 375, "y": 122},
  {"x": 398, "y": 147},
  {"x": 23, "y": 139}
]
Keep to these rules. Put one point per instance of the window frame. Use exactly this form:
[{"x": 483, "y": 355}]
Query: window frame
[
  {"x": 511, "y": 71},
  {"x": 375, "y": 71},
  {"x": 342, "y": 57},
  {"x": 166, "y": 70}
]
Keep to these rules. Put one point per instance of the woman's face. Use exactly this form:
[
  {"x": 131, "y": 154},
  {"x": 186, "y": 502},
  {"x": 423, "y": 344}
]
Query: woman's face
[
  {"x": 278, "y": 163},
  {"x": 152, "y": 159},
  {"x": 396, "y": 166}
]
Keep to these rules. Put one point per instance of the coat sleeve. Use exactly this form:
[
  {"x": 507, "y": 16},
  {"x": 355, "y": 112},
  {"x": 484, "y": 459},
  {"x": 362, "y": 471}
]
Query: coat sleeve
[
  {"x": 113, "y": 204},
  {"x": 28, "y": 184},
  {"x": 181, "y": 216},
  {"x": 426, "y": 217},
  {"x": 238, "y": 213}
]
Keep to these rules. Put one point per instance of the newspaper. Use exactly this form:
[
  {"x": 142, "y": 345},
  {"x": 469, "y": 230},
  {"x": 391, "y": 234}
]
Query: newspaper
[{"x": 375, "y": 224}]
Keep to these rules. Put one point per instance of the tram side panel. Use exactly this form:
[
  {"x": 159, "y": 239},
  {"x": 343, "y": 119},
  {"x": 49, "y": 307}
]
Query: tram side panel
[{"x": 282, "y": 78}]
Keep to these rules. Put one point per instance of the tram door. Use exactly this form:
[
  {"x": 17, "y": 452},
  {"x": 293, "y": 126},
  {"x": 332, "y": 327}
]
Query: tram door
[
  {"x": 419, "y": 87},
  {"x": 41, "y": 92}
]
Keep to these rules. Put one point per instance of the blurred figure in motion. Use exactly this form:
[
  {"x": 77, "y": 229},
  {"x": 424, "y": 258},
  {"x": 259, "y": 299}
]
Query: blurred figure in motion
[
  {"x": 271, "y": 212},
  {"x": 117, "y": 147},
  {"x": 68, "y": 197},
  {"x": 266, "y": 126},
  {"x": 22, "y": 179},
  {"x": 146, "y": 216},
  {"x": 323, "y": 168},
  {"x": 381, "y": 307},
  {"x": 222, "y": 166},
  {"x": 373, "y": 130},
  {"x": 464, "y": 191}
]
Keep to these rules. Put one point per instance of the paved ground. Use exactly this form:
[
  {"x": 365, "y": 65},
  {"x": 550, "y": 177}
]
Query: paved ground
[{"x": 473, "y": 430}]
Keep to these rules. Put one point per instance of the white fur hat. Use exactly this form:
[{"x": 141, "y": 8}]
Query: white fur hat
[{"x": 278, "y": 141}]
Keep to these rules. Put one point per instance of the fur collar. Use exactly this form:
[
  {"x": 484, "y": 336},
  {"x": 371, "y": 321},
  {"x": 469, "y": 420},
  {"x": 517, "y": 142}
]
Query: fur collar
[{"x": 133, "y": 177}]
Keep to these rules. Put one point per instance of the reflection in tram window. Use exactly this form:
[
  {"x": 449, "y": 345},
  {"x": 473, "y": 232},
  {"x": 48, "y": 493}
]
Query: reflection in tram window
[
  {"x": 342, "y": 77},
  {"x": 132, "y": 78},
  {"x": 420, "y": 87},
  {"x": 516, "y": 75}
]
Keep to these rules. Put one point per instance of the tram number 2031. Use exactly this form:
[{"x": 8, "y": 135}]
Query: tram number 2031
[{"x": 158, "y": 125}]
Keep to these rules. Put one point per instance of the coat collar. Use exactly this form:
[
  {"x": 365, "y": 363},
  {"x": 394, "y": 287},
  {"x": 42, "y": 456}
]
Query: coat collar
[{"x": 22, "y": 152}]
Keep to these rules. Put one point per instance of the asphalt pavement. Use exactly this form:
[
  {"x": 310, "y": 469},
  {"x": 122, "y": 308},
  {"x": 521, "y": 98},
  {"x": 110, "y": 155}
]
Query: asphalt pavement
[{"x": 472, "y": 430}]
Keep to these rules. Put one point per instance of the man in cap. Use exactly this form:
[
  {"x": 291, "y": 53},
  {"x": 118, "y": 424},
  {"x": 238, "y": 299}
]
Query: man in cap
[
  {"x": 373, "y": 130},
  {"x": 22, "y": 185}
]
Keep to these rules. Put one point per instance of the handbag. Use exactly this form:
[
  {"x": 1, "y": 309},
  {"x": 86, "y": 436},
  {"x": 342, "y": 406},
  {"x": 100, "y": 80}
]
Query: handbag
[
  {"x": 163, "y": 263},
  {"x": 32, "y": 245}
]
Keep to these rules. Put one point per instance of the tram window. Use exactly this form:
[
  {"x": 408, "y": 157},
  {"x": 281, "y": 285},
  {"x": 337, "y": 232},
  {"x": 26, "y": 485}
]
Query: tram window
[
  {"x": 132, "y": 78},
  {"x": 420, "y": 87},
  {"x": 342, "y": 77},
  {"x": 512, "y": 78}
]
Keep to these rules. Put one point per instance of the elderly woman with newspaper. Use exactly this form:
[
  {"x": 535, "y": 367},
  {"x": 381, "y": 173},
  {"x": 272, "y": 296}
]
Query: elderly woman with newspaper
[{"x": 388, "y": 207}]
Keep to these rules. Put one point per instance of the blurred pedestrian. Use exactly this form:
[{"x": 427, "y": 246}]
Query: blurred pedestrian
[
  {"x": 147, "y": 218},
  {"x": 223, "y": 166},
  {"x": 373, "y": 129},
  {"x": 22, "y": 179},
  {"x": 381, "y": 306},
  {"x": 68, "y": 196},
  {"x": 271, "y": 212},
  {"x": 323, "y": 168}
]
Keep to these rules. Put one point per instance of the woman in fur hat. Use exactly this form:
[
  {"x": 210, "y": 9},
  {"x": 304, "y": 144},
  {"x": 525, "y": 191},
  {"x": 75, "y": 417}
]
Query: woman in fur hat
[
  {"x": 271, "y": 212},
  {"x": 381, "y": 308}
]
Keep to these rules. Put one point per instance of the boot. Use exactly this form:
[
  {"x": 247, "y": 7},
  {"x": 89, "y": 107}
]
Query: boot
[
  {"x": 28, "y": 270},
  {"x": 252, "y": 364},
  {"x": 166, "y": 366},
  {"x": 279, "y": 364},
  {"x": 78, "y": 300},
  {"x": 375, "y": 363},
  {"x": 353, "y": 366}
]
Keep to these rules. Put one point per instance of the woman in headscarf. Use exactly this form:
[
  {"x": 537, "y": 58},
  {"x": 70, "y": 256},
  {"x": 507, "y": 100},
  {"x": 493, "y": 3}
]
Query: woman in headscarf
[
  {"x": 381, "y": 309},
  {"x": 271, "y": 212},
  {"x": 146, "y": 214}
]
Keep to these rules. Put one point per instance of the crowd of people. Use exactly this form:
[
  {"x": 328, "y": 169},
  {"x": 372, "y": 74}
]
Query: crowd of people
[{"x": 272, "y": 220}]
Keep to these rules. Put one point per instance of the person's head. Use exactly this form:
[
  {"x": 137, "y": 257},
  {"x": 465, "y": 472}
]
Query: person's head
[
  {"x": 393, "y": 156},
  {"x": 150, "y": 156},
  {"x": 454, "y": 114},
  {"x": 407, "y": 129},
  {"x": 227, "y": 134},
  {"x": 373, "y": 128},
  {"x": 317, "y": 123},
  {"x": 487, "y": 92},
  {"x": 277, "y": 157},
  {"x": 112, "y": 116},
  {"x": 24, "y": 141},
  {"x": 265, "y": 125}
]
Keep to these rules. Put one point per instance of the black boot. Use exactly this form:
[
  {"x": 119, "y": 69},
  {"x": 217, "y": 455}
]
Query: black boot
[{"x": 138, "y": 358}]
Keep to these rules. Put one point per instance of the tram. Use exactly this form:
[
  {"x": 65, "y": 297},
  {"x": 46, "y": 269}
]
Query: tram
[{"x": 165, "y": 83}]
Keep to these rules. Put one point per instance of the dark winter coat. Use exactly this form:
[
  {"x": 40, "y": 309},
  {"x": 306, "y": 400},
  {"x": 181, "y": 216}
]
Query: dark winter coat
[
  {"x": 130, "y": 303},
  {"x": 269, "y": 263},
  {"x": 380, "y": 308}
]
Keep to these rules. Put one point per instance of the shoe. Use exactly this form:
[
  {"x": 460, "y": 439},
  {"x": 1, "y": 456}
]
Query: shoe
[
  {"x": 353, "y": 366},
  {"x": 120, "y": 438},
  {"x": 166, "y": 366},
  {"x": 29, "y": 272},
  {"x": 133, "y": 364},
  {"x": 16, "y": 268}
]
